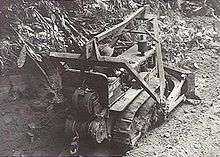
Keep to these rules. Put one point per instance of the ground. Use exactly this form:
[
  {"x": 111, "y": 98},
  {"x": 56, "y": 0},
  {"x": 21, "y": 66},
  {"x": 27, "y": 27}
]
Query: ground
[
  {"x": 14, "y": 119},
  {"x": 193, "y": 129}
]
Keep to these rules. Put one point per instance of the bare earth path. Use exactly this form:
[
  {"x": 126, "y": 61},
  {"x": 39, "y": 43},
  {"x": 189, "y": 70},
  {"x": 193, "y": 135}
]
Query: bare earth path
[{"x": 193, "y": 130}]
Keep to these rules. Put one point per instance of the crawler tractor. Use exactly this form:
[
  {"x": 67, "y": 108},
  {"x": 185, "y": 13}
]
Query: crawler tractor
[{"x": 116, "y": 94}]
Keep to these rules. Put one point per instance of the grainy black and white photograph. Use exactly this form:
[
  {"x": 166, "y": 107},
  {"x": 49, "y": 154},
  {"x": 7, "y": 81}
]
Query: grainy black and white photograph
[{"x": 110, "y": 78}]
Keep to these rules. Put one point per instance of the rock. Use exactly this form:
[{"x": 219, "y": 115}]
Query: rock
[
  {"x": 7, "y": 118},
  {"x": 31, "y": 125},
  {"x": 31, "y": 135},
  {"x": 196, "y": 66},
  {"x": 180, "y": 121},
  {"x": 3, "y": 113},
  {"x": 210, "y": 103},
  {"x": 184, "y": 121},
  {"x": 193, "y": 111},
  {"x": 200, "y": 121},
  {"x": 212, "y": 117},
  {"x": 215, "y": 57},
  {"x": 203, "y": 110},
  {"x": 185, "y": 111},
  {"x": 196, "y": 146},
  {"x": 39, "y": 153},
  {"x": 167, "y": 135},
  {"x": 170, "y": 147},
  {"x": 18, "y": 154}
]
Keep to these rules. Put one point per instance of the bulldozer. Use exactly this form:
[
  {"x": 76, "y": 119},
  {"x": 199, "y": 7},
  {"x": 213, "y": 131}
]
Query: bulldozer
[{"x": 117, "y": 95}]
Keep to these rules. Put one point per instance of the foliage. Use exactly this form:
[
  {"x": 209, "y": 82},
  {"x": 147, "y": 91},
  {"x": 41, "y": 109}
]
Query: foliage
[
  {"x": 182, "y": 35},
  {"x": 34, "y": 28}
]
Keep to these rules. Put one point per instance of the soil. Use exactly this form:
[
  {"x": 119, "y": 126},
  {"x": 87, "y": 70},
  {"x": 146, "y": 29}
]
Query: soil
[{"x": 14, "y": 119}]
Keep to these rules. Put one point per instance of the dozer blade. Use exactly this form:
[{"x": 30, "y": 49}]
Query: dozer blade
[
  {"x": 181, "y": 86},
  {"x": 133, "y": 112}
]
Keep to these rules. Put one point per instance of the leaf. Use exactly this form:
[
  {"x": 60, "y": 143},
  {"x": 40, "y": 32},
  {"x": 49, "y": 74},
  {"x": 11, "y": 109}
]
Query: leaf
[
  {"x": 1, "y": 64},
  {"x": 42, "y": 20},
  {"x": 196, "y": 65},
  {"x": 48, "y": 20},
  {"x": 56, "y": 28},
  {"x": 28, "y": 28},
  {"x": 33, "y": 54},
  {"x": 119, "y": 2},
  {"x": 199, "y": 34},
  {"x": 102, "y": 5},
  {"x": 22, "y": 57},
  {"x": 42, "y": 33},
  {"x": 53, "y": 18},
  {"x": 106, "y": 50},
  {"x": 208, "y": 37},
  {"x": 197, "y": 9}
]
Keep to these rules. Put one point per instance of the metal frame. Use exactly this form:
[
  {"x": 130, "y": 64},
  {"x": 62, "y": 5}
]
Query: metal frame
[{"x": 95, "y": 59}]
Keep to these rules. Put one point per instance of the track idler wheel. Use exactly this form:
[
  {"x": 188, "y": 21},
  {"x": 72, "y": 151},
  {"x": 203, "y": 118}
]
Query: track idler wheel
[
  {"x": 90, "y": 115},
  {"x": 97, "y": 129}
]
